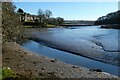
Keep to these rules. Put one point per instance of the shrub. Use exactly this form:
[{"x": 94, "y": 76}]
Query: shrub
[
  {"x": 11, "y": 27},
  {"x": 7, "y": 73}
]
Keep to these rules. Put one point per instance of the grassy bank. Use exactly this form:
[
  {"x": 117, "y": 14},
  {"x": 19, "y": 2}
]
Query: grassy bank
[{"x": 38, "y": 26}]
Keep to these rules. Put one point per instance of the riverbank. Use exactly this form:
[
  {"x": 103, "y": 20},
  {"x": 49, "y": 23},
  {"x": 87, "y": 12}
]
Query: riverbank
[
  {"x": 30, "y": 65},
  {"x": 113, "y": 26}
]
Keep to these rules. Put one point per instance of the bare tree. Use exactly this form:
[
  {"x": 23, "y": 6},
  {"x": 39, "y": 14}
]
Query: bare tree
[
  {"x": 40, "y": 15},
  {"x": 48, "y": 14}
]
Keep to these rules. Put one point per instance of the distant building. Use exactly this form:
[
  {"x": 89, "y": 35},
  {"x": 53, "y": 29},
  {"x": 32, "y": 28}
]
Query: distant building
[
  {"x": 21, "y": 14},
  {"x": 26, "y": 16}
]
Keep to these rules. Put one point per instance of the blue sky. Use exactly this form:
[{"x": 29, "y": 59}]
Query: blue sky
[{"x": 71, "y": 10}]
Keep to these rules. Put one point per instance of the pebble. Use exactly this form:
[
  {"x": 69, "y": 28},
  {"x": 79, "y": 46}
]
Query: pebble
[
  {"x": 43, "y": 68},
  {"x": 61, "y": 73},
  {"x": 40, "y": 74},
  {"x": 50, "y": 73},
  {"x": 58, "y": 69},
  {"x": 21, "y": 56},
  {"x": 25, "y": 70},
  {"x": 53, "y": 60},
  {"x": 7, "y": 58},
  {"x": 25, "y": 52},
  {"x": 36, "y": 70},
  {"x": 97, "y": 70},
  {"x": 75, "y": 66},
  {"x": 34, "y": 62}
]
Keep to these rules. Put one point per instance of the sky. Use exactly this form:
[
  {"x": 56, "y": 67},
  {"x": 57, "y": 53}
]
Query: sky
[{"x": 71, "y": 10}]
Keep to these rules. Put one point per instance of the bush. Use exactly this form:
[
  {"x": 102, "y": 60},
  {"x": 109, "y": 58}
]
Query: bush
[
  {"x": 10, "y": 22},
  {"x": 7, "y": 73}
]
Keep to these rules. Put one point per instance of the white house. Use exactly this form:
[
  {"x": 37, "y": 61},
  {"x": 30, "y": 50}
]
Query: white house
[{"x": 26, "y": 16}]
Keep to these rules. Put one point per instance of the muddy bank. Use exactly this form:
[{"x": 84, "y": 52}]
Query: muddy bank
[
  {"x": 29, "y": 64},
  {"x": 69, "y": 58},
  {"x": 93, "y": 54}
]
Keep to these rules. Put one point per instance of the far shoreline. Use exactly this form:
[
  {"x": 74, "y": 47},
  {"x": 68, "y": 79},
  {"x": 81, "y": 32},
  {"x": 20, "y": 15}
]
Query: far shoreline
[{"x": 111, "y": 26}]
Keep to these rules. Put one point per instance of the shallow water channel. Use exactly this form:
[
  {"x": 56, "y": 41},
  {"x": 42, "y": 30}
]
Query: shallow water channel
[
  {"x": 69, "y": 58},
  {"x": 79, "y": 37}
]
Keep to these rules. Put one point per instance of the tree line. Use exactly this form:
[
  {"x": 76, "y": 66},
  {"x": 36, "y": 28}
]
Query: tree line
[
  {"x": 45, "y": 18},
  {"x": 12, "y": 26},
  {"x": 111, "y": 18}
]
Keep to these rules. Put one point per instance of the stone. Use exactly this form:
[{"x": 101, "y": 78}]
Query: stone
[
  {"x": 34, "y": 62},
  {"x": 43, "y": 68},
  {"x": 75, "y": 66},
  {"x": 53, "y": 60},
  {"x": 97, "y": 70}
]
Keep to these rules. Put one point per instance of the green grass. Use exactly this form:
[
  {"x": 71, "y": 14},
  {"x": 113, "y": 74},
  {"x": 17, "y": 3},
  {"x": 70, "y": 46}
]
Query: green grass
[
  {"x": 0, "y": 73},
  {"x": 30, "y": 21},
  {"x": 7, "y": 73},
  {"x": 50, "y": 26},
  {"x": 28, "y": 26}
]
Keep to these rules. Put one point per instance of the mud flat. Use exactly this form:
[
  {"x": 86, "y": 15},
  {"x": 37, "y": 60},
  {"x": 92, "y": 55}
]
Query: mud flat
[{"x": 97, "y": 46}]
